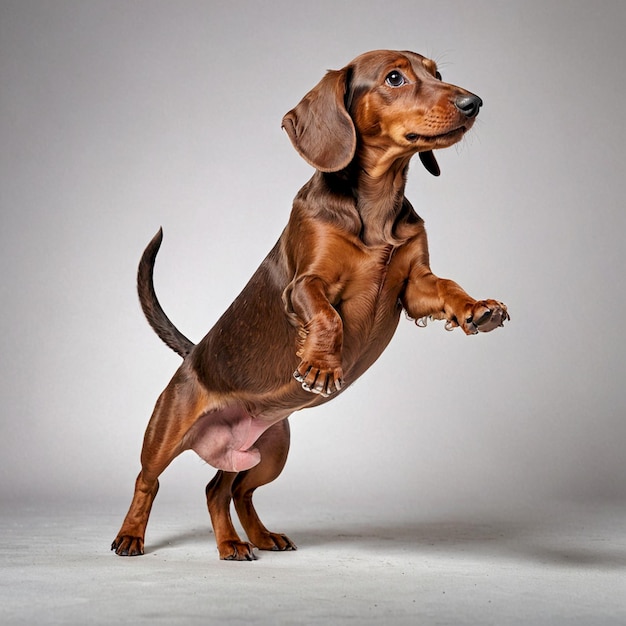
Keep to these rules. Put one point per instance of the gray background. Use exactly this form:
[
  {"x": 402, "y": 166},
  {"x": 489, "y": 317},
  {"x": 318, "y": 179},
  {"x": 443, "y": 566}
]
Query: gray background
[{"x": 119, "y": 117}]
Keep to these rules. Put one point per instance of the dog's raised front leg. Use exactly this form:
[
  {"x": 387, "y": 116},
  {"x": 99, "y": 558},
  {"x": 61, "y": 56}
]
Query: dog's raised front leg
[
  {"x": 426, "y": 295},
  {"x": 320, "y": 337}
]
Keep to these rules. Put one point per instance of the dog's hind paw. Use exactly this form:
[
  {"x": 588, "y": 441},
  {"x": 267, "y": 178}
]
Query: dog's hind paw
[
  {"x": 275, "y": 542},
  {"x": 125, "y": 545},
  {"x": 236, "y": 551}
]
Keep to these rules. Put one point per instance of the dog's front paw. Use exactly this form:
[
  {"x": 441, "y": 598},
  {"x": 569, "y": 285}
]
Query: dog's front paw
[
  {"x": 321, "y": 380},
  {"x": 483, "y": 316}
]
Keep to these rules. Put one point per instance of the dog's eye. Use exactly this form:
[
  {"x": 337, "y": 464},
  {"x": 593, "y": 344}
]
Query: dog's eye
[
  {"x": 438, "y": 76},
  {"x": 395, "y": 79}
]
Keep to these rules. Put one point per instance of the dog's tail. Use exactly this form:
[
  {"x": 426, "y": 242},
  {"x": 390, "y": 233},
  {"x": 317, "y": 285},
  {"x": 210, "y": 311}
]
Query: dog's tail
[{"x": 155, "y": 315}]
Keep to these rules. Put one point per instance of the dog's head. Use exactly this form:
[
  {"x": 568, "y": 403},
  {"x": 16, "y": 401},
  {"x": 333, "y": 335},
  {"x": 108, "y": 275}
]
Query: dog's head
[{"x": 383, "y": 106}]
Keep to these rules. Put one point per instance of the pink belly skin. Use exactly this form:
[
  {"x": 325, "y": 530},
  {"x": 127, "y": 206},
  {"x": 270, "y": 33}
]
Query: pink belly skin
[{"x": 225, "y": 439}]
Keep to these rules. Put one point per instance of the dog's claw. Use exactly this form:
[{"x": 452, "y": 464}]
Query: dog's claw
[
  {"x": 450, "y": 325},
  {"x": 300, "y": 377},
  {"x": 319, "y": 381},
  {"x": 275, "y": 542},
  {"x": 282, "y": 543}
]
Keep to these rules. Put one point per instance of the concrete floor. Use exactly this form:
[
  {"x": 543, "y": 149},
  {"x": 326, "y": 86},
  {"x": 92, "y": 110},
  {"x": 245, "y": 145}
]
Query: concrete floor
[{"x": 566, "y": 565}]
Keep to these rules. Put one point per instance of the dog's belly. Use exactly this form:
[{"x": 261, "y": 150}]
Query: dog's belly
[{"x": 225, "y": 438}]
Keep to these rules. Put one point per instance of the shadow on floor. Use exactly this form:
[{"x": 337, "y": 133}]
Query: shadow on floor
[{"x": 542, "y": 543}]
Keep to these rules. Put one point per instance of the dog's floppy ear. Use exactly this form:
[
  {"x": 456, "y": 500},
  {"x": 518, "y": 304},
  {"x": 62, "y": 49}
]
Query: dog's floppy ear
[
  {"x": 320, "y": 127},
  {"x": 429, "y": 162}
]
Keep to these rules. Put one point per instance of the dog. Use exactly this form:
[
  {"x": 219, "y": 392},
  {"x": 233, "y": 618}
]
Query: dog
[{"x": 324, "y": 303}]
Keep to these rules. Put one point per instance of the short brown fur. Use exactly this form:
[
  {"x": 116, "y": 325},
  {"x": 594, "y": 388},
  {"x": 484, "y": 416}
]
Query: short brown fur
[{"x": 324, "y": 303}]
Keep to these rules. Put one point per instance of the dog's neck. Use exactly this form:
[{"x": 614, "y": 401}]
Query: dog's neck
[
  {"x": 379, "y": 201},
  {"x": 372, "y": 207}
]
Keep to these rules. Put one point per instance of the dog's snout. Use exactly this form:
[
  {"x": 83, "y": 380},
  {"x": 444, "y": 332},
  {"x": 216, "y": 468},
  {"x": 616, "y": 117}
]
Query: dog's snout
[{"x": 468, "y": 105}]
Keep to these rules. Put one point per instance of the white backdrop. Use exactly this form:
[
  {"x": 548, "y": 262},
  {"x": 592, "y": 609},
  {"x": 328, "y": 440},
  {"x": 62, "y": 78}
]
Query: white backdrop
[{"x": 119, "y": 117}]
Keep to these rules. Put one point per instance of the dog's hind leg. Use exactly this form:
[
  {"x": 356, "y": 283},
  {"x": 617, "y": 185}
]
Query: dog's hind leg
[
  {"x": 274, "y": 447},
  {"x": 130, "y": 539},
  {"x": 176, "y": 410},
  {"x": 218, "y": 499},
  {"x": 225, "y": 487}
]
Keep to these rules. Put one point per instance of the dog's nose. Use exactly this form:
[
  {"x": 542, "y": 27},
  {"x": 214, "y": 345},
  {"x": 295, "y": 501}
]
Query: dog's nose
[{"x": 468, "y": 105}]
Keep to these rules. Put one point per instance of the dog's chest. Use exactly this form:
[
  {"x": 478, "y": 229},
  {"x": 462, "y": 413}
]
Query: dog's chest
[{"x": 369, "y": 305}]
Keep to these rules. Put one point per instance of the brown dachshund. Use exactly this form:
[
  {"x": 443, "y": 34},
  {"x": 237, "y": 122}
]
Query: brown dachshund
[{"x": 326, "y": 300}]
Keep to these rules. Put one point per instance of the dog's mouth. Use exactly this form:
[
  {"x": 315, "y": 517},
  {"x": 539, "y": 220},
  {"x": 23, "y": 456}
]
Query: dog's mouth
[{"x": 436, "y": 139}]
